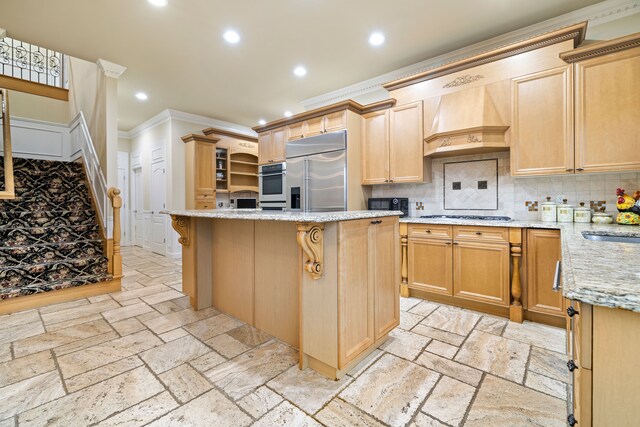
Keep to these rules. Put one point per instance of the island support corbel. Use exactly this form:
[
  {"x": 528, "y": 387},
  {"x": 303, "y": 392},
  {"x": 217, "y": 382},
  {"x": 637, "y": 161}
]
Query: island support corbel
[
  {"x": 185, "y": 227},
  {"x": 516, "y": 313},
  {"x": 310, "y": 239}
]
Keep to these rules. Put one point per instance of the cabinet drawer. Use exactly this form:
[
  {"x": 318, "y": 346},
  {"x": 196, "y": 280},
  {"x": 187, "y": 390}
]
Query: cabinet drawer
[
  {"x": 481, "y": 234},
  {"x": 430, "y": 231},
  {"x": 204, "y": 204},
  {"x": 205, "y": 195}
]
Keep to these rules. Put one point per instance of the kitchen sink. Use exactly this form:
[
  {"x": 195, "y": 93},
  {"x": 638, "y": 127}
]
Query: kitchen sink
[
  {"x": 469, "y": 217},
  {"x": 610, "y": 237}
]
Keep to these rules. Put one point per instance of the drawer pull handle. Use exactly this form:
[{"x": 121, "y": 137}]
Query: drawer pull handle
[
  {"x": 572, "y": 311},
  {"x": 556, "y": 278},
  {"x": 478, "y": 233},
  {"x": 377, "y": 222},
  {"x": 579, "y": 169},
  {"x": 427, "y": 231},
  {"x": 571, "y": 420},
  {"x": 572, "y": 365},
  {"x": 448, "y": 243}
]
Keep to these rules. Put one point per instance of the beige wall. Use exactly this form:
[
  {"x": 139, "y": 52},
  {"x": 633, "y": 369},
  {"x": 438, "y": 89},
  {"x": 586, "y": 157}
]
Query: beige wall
[
  {"x": 35, "y": 107},
  {"x": 618, "y": 28},
  {"x": 124, "y": 144}
]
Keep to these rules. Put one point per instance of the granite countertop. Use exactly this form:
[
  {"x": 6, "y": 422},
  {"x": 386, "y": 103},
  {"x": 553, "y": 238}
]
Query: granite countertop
[
  {"x": 594, "y": 272},
  {"x": 260, "y": 215}
]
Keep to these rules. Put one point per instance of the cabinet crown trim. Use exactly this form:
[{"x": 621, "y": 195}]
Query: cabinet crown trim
[
  {"x": 574, "y": 32},
  {"x": 601, "y": 48},
  {"x": 339, "y": 106},
  {"x": 199, "y": 138},
  {"x": 223, "y": 132}
]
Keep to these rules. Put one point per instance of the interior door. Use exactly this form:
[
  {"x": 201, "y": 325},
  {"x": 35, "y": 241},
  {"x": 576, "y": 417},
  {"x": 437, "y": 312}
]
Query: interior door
[
  {"x": 158, "y": 203},
  {"x": 123, "y": 185},
  {"x": 138, "y": 200}
]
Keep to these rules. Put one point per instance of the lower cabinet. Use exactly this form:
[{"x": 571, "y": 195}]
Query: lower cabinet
[
  {"x": 543, "y": 251},
  {"x": 368, "y": 284},
  {"x": 481, "y": 272},
  {"x": 469, "y": 263}
]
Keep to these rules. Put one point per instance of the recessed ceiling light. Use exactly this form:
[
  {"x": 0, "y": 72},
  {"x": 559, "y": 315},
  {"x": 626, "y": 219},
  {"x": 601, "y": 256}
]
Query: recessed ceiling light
[
  {"x": 159, "y": 3},
  {"x": 142, "y": 96},
  {"x": 376, "y": 39},
  {"x": 262, "y": 122},
  {"x": 288, "y": 114},
  {"x": 231, "y": 36},
  {"x": 300, "y": 71}
]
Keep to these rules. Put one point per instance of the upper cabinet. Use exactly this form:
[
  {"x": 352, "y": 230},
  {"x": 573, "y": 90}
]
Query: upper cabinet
[
  {"x": 607, "y": 110},
  {"x": 271, "y": 146},
  {"x": 392, "y": 145},
  {"x": 200, "y": 171},
  {"x": 542, "y": 123},
  {"x": 317, "y": 125}
]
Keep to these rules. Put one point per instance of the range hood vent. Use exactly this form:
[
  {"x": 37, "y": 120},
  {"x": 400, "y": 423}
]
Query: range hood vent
[{"x": 470, "y": 121}]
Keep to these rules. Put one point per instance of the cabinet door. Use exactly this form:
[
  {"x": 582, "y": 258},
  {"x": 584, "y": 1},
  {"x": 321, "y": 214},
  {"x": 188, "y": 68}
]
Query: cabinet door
[
  {"x": 278, "y": 142},
  {"x": 375, "y": 148},
  {"x": 430, "y": 265},
  {"x": 406, "y": 158},
  {"x": 265, "y": 147},
  {"x": 386, "y": 275},
  {"x": 481, "y": 272},
  {"x": 295, "y": 131},
  {"x": 607, "y": 112},
  {"x": 205, "y": 182},
  {"x": 313, "y": 127},
  {"x": 543, "y": 252},
  {"x": 335, "y": 121},
  {"x": 542, "y": 123},
  {"x": 355, "y": 290}
]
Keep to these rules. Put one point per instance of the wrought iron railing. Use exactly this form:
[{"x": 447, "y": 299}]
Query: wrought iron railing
[{"x": 32, "y": 63}]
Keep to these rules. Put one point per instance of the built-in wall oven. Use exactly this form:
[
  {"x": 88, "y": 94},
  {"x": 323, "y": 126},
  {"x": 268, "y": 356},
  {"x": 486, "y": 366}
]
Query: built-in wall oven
[{"x": 272, "y": 186}]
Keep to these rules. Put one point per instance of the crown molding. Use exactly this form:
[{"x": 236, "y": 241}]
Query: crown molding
[
  {"x": 602, "y": 48},
  {"x": 596, "y": 14},
  {"x": 111, "y": 69},
  {"x": 169, "y": 114}
]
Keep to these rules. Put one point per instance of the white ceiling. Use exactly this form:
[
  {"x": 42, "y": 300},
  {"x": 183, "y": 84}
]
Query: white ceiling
[{"x": 177, "y": 55}]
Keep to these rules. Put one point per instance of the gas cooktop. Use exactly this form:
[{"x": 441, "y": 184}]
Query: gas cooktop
[{"x": 472, "y": 217}]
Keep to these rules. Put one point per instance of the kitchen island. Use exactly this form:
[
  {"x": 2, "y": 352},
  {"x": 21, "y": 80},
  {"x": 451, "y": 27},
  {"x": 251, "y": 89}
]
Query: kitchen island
[{"x": 325, "y": 283}]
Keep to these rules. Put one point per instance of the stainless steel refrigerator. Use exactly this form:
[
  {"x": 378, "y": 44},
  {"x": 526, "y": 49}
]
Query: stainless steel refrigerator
[{"x": 317, "y": 173}]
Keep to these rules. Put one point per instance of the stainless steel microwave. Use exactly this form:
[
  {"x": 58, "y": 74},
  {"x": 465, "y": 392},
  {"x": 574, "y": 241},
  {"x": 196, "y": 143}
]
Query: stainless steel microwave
[
  {"x": 389, "y": 204},
  {"x": 272, "y": 186}
]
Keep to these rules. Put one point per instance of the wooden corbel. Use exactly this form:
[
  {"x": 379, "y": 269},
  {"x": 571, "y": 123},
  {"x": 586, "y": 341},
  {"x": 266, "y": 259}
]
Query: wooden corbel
[
  {"x": 311, "y": 241},
  {"x": 181, "y": 225}
]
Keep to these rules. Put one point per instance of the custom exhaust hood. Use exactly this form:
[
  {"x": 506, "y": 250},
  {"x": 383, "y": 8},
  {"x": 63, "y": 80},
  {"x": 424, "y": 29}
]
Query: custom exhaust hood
[{"x": 469, "y": 121}]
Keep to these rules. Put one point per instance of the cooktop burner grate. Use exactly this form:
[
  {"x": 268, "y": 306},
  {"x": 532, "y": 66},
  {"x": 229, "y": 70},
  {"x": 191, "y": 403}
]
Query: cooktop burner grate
[{"x": 472, "y": 217}]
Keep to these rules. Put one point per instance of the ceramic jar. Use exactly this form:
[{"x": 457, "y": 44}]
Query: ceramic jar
[
  {"x": 582, "y": 214},
  {"x": 548, "y": 211},
  {"x": 602, "y": 218},
  {"x": 565, "y": 212}
]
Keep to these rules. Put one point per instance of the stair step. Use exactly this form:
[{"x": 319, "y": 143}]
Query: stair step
[
  {"x": 30, "y": 289},
  {"x": 19, "y": 276},
  {"x": 38, "y": 254},
  {"x": 77, "y": 200},
  {"x": 53, "y": 218},
  {"x": 16, "y": 237},
  {"x": 35, "y": 167}
]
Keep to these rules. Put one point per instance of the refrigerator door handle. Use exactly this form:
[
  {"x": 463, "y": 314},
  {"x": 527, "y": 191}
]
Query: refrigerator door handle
[{"x": 305, "y": 185}]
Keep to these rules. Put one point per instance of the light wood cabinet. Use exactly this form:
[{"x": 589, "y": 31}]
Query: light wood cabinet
[
  {"x": 375, "y": 149},
  {"x": 543, "y": 253},
  {"x": 542, "y": 123},
  {"x": 607, "y": 112},
  {"x": 271, "y": 146},
  {"x": 317, "y": 125},
  {"x": 392, "y": 145},
  {"x": 368, "y": 284},
  {"x": 430, "y": 263},
  {"x": 481, "y": 272},
  {"x": 205, "y": 183},
  {"x": 471, "y": 263},
  {"x": 200, "y": 171},
  {"x": 406, "y": 159}
]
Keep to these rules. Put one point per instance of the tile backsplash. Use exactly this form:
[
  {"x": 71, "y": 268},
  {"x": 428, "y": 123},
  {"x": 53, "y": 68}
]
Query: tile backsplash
[{"x": 518, "y": 198}]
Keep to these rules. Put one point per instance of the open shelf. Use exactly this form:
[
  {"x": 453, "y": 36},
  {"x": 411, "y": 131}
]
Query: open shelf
[
  {"x": 244, "y": 173},
  {"x": 242, "y": 162}
]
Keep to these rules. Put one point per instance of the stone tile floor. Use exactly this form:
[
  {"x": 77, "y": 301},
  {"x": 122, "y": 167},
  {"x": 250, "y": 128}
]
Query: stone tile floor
[{"x": 143, "y": 357}]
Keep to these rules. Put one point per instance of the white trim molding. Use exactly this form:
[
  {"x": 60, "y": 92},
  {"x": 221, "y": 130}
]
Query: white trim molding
[
  {"x": 3, "y": 33},
  {"x": 596, "y": 14},
  {"x": 110, "y": 69},
  {"x": 169, "y": 114}
]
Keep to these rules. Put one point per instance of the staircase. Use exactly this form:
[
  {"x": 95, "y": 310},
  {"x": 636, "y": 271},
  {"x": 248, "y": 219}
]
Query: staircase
[{"x": 50, "y": 238}]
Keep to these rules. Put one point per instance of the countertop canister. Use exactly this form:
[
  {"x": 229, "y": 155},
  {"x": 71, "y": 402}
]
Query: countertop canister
[
  {"x": 582, "y": 213},
  {"x": 565, "y": 212},
  {"x": 548, "y": 211},
  {"x": 602, "y": 218}
]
